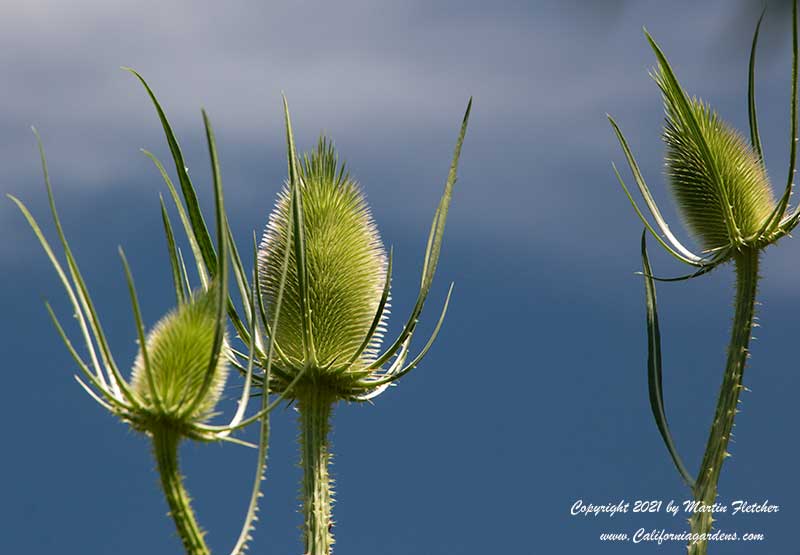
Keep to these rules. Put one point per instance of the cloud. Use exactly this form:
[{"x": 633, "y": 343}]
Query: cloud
[{"x": 389, "y": 82}]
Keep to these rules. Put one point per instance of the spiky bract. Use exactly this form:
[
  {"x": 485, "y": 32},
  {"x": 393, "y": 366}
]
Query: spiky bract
[
  {"x": 346, "y": 269},
  {"x": 738, "y": 177},
  {"x": 179, "y": 351}
]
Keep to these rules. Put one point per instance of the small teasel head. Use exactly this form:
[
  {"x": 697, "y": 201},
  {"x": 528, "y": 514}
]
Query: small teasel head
[
  {"x": 345, "y": 267},
  {"x": 719, "y": 181},
  {"x": 179, "y": 352},
  {"x": 718, "y": 178},
  {"x": 182, "y": 364}
]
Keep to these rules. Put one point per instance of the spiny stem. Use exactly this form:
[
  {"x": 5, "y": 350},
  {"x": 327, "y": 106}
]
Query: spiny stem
[
  {"x": 165, "y": 448},
  {"x": 705, "y": 489},
  {"x": 315, "y": 405}
]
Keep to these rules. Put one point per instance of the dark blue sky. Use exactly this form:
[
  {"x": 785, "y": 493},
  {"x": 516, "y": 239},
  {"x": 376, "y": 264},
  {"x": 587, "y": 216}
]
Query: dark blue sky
[{"x": 534, "y": 395}]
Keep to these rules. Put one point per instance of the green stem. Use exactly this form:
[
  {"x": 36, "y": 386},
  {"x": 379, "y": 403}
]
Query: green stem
[
  {"x": 165, "y": 448},
  {"x": 705, "y": 490},
  {"x": 315, "y": 406}
]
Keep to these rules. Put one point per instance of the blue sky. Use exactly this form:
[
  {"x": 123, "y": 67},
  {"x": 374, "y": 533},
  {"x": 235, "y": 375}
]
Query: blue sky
[{"x": 534, "y": 395}]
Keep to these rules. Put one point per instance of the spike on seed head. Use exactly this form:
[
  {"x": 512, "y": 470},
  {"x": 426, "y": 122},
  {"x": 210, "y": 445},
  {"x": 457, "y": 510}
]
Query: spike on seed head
[{"x": 346, "y": 263}]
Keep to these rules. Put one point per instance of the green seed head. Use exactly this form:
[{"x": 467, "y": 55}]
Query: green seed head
[
  {"x": 179, "y": 350},
  {"x": 734, "y": 188},
  {"x": 346, "y": 265}
]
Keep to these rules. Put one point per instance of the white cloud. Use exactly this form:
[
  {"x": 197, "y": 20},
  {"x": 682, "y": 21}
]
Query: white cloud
[{"x": 386, "y": 79}]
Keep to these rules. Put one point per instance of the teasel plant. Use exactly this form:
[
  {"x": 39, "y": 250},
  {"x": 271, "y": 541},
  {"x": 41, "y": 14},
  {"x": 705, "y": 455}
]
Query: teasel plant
[
  {"x": 337, "y": 298},
  {"x": 722, "y": 191},
  {"x": 182, "y": 365}
]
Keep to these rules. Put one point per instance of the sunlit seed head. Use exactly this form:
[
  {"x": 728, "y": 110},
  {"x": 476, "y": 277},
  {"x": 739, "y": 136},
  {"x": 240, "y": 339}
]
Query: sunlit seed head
[
  {"x": 345, "y": 257},
  {"x": 179, "y": 350},
  {"x": 700, "y": 198}
]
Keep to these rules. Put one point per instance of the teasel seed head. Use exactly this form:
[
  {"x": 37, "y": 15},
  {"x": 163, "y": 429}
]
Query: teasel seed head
[
  {"x": 719, "y": 180},
  {"x": 737, "y": 187},
  {"x": 346, "y": 268},
  {"x": 179, "y": 350}
]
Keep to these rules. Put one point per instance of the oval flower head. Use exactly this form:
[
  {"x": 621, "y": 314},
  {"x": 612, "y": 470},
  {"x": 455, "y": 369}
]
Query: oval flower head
[
  {"x": 345, "y": 277},
  {"x": 725, "y": 203},
  {"x": 173, "y": 369},
  {"x": 722, "y": 192}
]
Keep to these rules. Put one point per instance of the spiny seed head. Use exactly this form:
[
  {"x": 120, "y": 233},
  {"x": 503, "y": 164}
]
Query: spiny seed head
[
  {"x": 179, "y": 350},
  {"x": 700, "y": 196},
  {"x": 345, "y": 259}
]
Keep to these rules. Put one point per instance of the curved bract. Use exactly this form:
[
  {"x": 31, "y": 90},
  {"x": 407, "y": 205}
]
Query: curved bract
[{"x": 345, "y": 269}]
